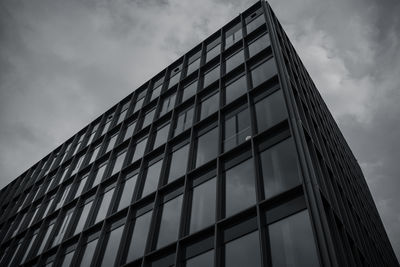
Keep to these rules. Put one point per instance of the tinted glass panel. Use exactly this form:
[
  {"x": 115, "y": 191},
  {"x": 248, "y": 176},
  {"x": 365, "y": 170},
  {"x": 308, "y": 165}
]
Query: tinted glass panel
[
  {"x": 270, "y": 111},
  {"x": 118, "y": 163},
  {"x": 237, "y": 129},
  {"x": 112, "y": 247},
  {"x": 139, "y": 150},
  {"x": 184, "y": 121},
  {"x": 213, "y": 52},
  {"x": 211, "y": 76},
  {"x": 209, "y": 106},
  {"x": 99, "y": 175},
  {"x": 45, "y": 238},
  {"x": 240, "y": 190},
  {"x": 148, "y": 118},
  {"x": 33, "y": 239},
  {"x": 168, "y": 104},
  {"x": 207, "y": 147},
  {"x": 279, "y": 168},
  {"x": 178, "y": 163},
  {"x": 63, "y": 228},
  {"x": 203, "y": 205},
  {"x": 88, "y": 252},
  {"x": 156, "y": 92},
  {"x": 205, "y": 259},
  {"x": 234, "y": 61},
  {"x": 189, "y": 91},
  {"x": 254, "y": 24},
  {"x": 129, "y": 130},
  {"x": 244, "y": 251},
  {"x": 94, "y": 154},
  {"x": 169, "y": 224},
  {"x": 112, "y": 142},
  {"x": 161, "y": 136},
  {"x": 292, "y": 242},
  {"x": 236, "y": 89},
  {"x": 193, "y": 66},
  {"x": 259, "y": 44},
  {"x": 138, "y": 105},
  {"x": 68, "y": 259},
  {"x": 81, "y": 185},
  {"x": 104, "y": 204},
  {"x": 263, "y": 72},
  {"x": 139, "y": 237},
  {"x": 152, "y": 177},
  {"x": 233, "y": 37},
  {"x": 83, "y": 217},
  {"x": 127, "y": 193}
]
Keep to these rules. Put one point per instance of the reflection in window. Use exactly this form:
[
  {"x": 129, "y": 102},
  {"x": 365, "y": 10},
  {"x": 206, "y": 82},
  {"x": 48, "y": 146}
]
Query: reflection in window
[
  {"x": 111, "y": 142},
  {"x": 270, "y": 111},
  {"x": 211, "y": 76},
  {"x": 169, "y": 224},
  {"x": 63, "y": 228},
  {"x": 237, "y": 129},
  {"x": 189, "y": 91},
  {"x": 48, "y": 206},
  {"x": 139, "y": 104},
  {"x": 46, "y": 237},
  {"x": 127, "y": 193},
  {"x": 110, "y": 253},
  {"x": 119, "y": 161},
  {"x": 94, "y": 154},
  {"x": 184, "y": 121},
  {"x": 148, "y": 118},
  {"x": 235, "y": 89},
  {"x": 66, "y": 262},
  {"x": 138, "y": 241},
  {"x": 244, "y": 251},
  {"x": 234, "y": 61},
  {"x": 175, "y": 75},
  {"x": 156, "y": 92},
  {"x": 83, "y": 216},
  {"x": 81, "y": 185},
  {"x": 255, "y": 23},
  {"x": 258, "y": 45},
  {"x": 99, "y": 174},
  {"x": 129, "y": 130},
  {"x": 63, "y": 197},
  {"x": 161, "y": 136},
  {"x": 234, "y": 35},
  {"x": 168, "y": 104},
  {"x": 152, "y": 177},
  {"x": 209, "y": 105},
  {"x": 292, "y": 242},
  {"x": 139, "y": 149},
  {"x": 193, "y": 65},
  {"x": 263, "y": 72},
  {"x": 203, "y": 205},
  {"x": 88, "y": 252},
  {"x": 207, "y": 147},
  {"x": 104, "y": 205},
  {"x": 178, "y": 163},
  {"x": 279, "y": 168},
  {"x": 123, "y": 112},
  {"x": 29, "y": 247},
  {"x": 205, "y": 259},
  {"x": 240, "y": 191},
  {"x": 213, "y": 52}
]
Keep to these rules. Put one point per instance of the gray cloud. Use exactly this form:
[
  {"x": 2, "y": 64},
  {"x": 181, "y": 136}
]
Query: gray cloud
[{"x": 62, "y": 63}]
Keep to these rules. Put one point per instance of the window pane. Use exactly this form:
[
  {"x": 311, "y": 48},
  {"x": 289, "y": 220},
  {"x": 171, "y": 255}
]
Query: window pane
[
  {"x": 112, "y": 247},
  {"x": 122, "y": 114},
  {"x": 189, "y": 90},
  {"x": 63, "y": 228},
  {"x": 213, "y": 52},
  {"x": 118, "y": 163},
  {"x": 203, "y": 205},
  {"x": 237, "y": 129},
  {"x": 152, "y": 178},
  {"x": 209, "y": 106},
  {"x": 111, "y": 143},
  {"x": 279, "y": 168},
  {"x": 127, "y": 193},
  {"x": 234, "y": 61},
  {"x": 205, "y": 259},
  {"x": 244, "y": 251},
  {"x": 88, "y": 252},
  {"x": 184, "y": 121},
  {"x": 63, "y": 197},
  {"x": 174, "y": 79},
  {"x": 139, "y": 150},
  {"x": 240, "y": 192},
  {"x": 263, "y": 72},
  {"x": 148, "y": 118},
  {"x": 168, "y": 104},
  {"x": 82, "y": 218},
  {"x": 207, "y": 147},
  {"x": 99, "y": 175},
  {"x": 211, "y": 76},
  {"x": 161, "y": 136},
  {"x": 169, "y": 225},
  {"x": 178, "y": 163},
  {"x": 259, "y": 44},
  {"x": 138, "y": 104},
  {"x": 129, "y": 130},
  {"x": 139, "y": 237},
  {"x": 254, "y": 24},
  {"x": 68, "y": 259},
  {"x": 193, "y": 66},
  {"x": 156, "y": 92},
  {"x": 45, "y": 238},
  {"x": 33, "y": 239},
  {"x": 233, "y": 37},
  {"x": 270, "y": 111},
  {"x": 104, "y": 205},
  {"x": 292, "y": 242},
  {"x": 236, "y": 89},
  {"x": 94, "y": 154},
  {"x": 81, "y": 185}
]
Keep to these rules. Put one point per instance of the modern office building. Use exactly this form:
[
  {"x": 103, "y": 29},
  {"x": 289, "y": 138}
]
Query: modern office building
[{"x": 228, "y": 157}]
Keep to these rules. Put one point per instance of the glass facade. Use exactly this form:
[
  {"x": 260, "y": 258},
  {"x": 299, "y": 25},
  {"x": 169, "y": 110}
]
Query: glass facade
[{"x": 224, "y": 162}]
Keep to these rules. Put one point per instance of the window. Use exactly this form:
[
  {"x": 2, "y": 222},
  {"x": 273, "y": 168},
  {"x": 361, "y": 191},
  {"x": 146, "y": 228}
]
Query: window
[
  {"x": 59, "y": 234},
  {"x": 203, "y": 205},
  {"x": 175, "y": 75},
  {"x": 94, "y": 154},
  {"x": 235, "y": 60},
  {"x": 209, "y": 105},
  {"x": 270, "y": 111},
  {"x": 161, "y": 135},
  {"x": 83, "y": 216},
  {"x": 263, "y": 72},
  {"x": 110, "y": 252},
  {"x": 193, "y": 63},
  {"x": 34, "y": 213},
  {"x": 48, "y": 205},
  {"x": 138, "y": 241},
  {"x": 93, "y": 133},
  {"x": 88, "y": 251},
  {"x": 104, "y": 203},
  {"x": 184, "y": 121},
  {"x": 189, "y": 91},
  {"x": 139, "y": 101},
  {"x": 178, "y": 163},
  {"x": 237, "y": 129},
  {"x": 244, "y": 251},
  {"x": 151, "y": 177},
  {"x": 233, "y": 35},
  {"x": 156, "y": 92},
  {"x": 169, "y": 223},
  {"x": 128, "y": 187},
  {"x": 29, "y": 247},
  {"x": 259, "y": 44},
  {"x": 78, "y": 165},
  {"x": 129, "y": 130},
  {"x": 64, "y": 174},
  {"x": 211, "y": 76},
  {"x": 292, "y": 242},
  {"x": 119, "y": 162},
  {"x": 68, "y": 255},
  {"x": 235, "y": 89},
  {"x": 213, "y": 49},
  {"x": 279, "y": 168},
  {"x": 255, "y": 22},
  {"x": 148, "y": 118},
  {"x": 107, "y": 123},
  {"x": 240, "y": 190},
  {"x": 207, "y": 147},
  {"x": 139, "y": 149},
  {"x": 123, "y": 112},
  {"x": 46, "y": 237},
  {"x": 63, "y": 197},
  {"x": 168, "y": 104},
  {"x": 205, "y": 259},
  {"x": 111, "y": 142},
  {"x": 99, "y": 174},
  {"x": 81, "y": 185}
]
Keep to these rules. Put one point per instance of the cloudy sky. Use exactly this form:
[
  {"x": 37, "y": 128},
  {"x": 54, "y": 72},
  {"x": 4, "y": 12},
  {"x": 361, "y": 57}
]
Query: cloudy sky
[{"x": 62, "y": 63}]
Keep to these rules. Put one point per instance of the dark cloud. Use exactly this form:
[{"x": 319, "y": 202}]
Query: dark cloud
[{"x": 62, "y": 63}]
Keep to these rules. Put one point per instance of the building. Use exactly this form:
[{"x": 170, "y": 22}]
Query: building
[{"x": 228, "y": 157}]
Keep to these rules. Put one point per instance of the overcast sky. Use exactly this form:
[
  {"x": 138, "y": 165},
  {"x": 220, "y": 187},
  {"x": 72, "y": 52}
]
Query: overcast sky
[{"x": 63, "y": 63}]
